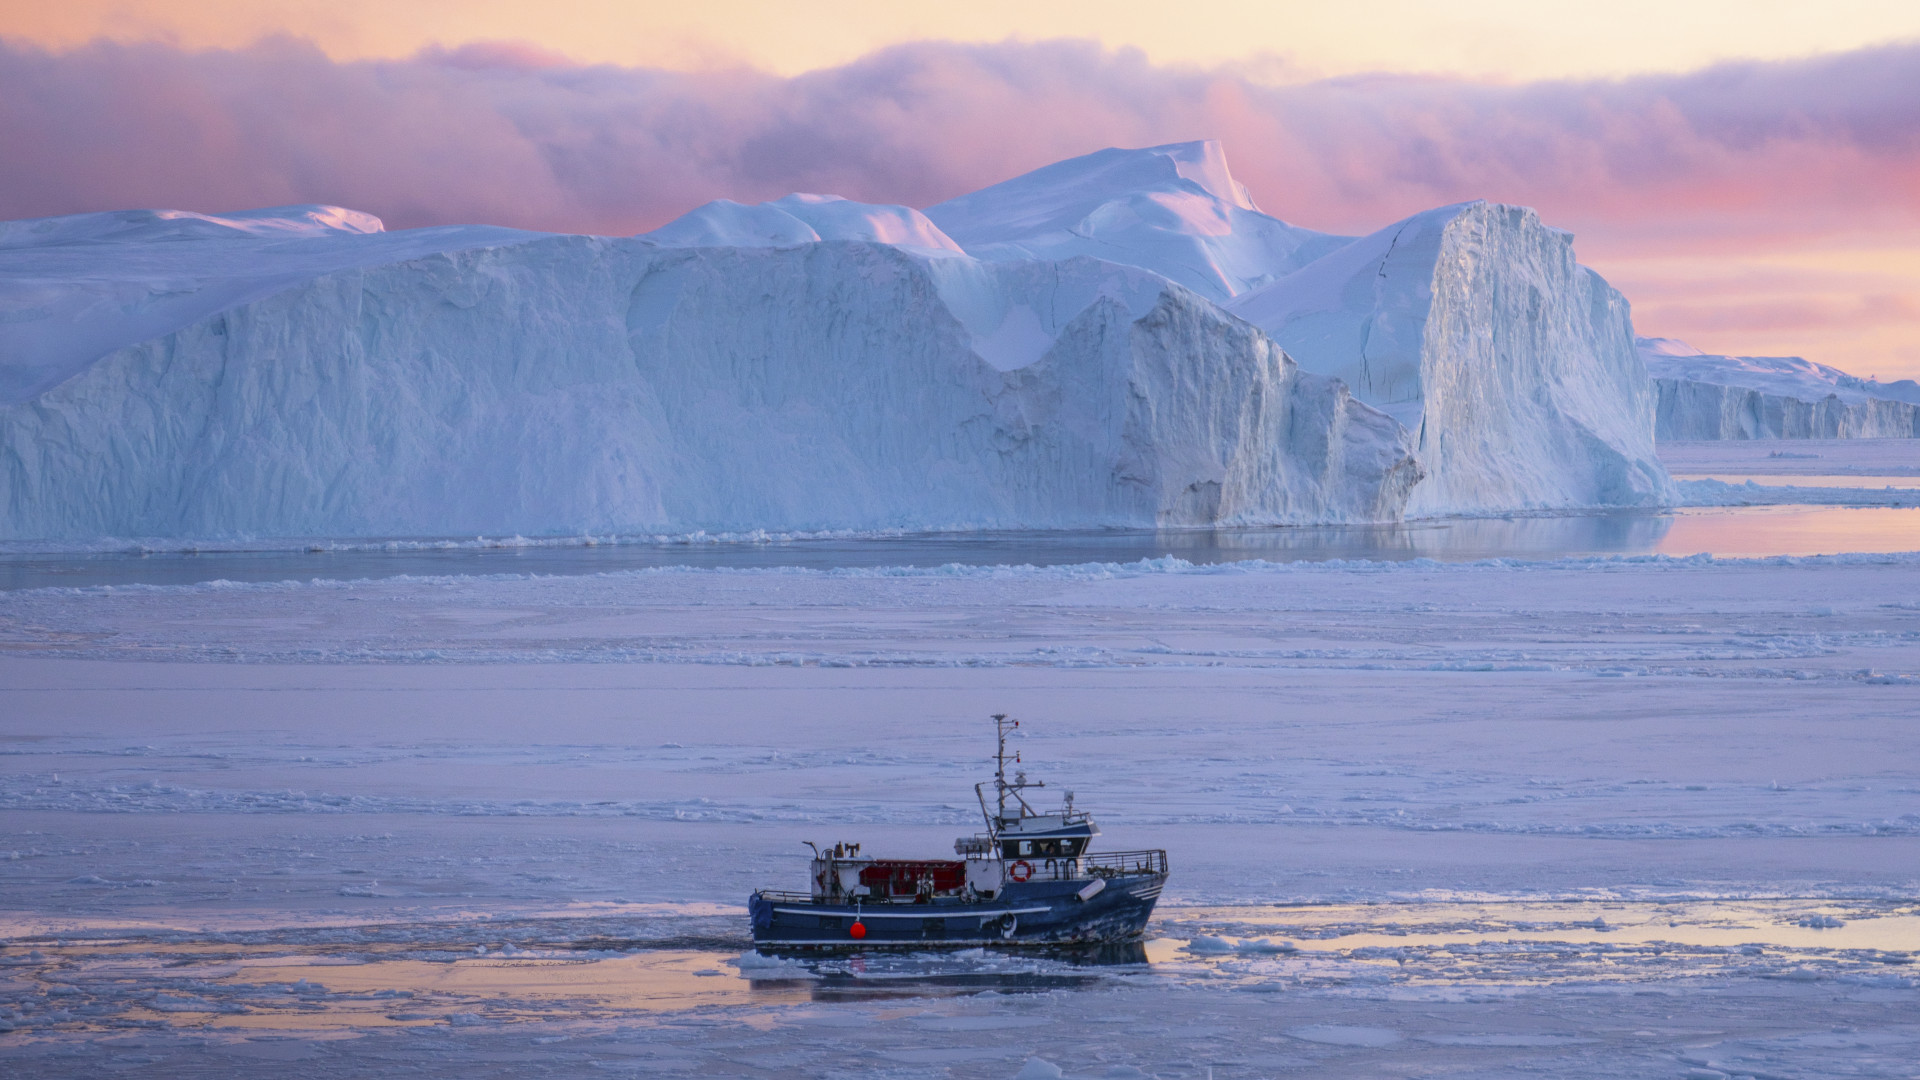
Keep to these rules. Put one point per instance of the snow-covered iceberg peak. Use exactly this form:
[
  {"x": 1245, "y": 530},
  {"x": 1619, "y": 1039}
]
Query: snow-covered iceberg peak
[
  {"x": 1059, "y": 196},
  {"x": 1473, "y": 325},
  {"x": 147, "y": 226},
  {"x": 1665, "y": 346},
  {"x": 1175, "y": 210},
  {"x": 801, "y": 219}
]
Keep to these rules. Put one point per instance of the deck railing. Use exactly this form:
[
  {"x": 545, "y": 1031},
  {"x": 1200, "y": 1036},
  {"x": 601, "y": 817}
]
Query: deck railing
[
  {"x": 1123, "y": 863},
  {"x": 1104, "y": 864}
]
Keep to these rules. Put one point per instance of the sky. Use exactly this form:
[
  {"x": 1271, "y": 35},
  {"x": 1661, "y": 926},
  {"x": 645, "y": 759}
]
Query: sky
[{"x": 1747, "y": 173}]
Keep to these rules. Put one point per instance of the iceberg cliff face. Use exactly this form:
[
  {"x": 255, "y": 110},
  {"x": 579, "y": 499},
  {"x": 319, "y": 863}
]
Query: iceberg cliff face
[
  {"x": 1513, "y": 364},
  {"x": 570, "y": 384},
  {"x": 1703, "y": 396}
]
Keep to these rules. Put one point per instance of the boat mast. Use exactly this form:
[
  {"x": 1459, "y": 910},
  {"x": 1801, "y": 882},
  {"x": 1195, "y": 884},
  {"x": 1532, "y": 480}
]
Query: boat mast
[
  {"x": 1001, "y": 725},
  {"x": 1001, "y": 787}
]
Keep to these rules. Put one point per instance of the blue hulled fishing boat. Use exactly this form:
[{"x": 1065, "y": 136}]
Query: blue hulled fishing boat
[{"x": 1028, "y": 880}]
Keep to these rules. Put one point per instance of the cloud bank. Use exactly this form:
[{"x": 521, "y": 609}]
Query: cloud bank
[
  {"x": 1732, "y": 159},
  {"x": 507, "y": 134}
]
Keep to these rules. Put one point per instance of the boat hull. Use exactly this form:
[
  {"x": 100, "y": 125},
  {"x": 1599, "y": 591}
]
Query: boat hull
[{"x": 1049, "y": 913}]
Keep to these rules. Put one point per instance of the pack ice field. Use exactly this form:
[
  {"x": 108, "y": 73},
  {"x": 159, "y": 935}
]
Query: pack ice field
[{"x": 1596, "y": 817}]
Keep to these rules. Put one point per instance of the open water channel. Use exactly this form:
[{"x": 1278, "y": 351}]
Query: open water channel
[{"x": 1725, "y": 532}]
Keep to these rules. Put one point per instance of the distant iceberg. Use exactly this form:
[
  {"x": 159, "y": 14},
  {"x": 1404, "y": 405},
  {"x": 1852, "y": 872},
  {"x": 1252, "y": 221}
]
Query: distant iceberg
[{"x": 1704, "y": 396}]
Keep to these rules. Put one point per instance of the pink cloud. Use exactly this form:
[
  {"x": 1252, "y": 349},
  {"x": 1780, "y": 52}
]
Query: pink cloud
[{"x": 1725, "y": 158}]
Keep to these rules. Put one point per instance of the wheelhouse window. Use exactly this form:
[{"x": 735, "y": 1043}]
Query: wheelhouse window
[{"x": 1065, "y": 848}]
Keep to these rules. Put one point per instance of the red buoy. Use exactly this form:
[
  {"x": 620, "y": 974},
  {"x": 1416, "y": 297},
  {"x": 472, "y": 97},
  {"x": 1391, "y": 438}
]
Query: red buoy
[{"x": 858, "y": 930}]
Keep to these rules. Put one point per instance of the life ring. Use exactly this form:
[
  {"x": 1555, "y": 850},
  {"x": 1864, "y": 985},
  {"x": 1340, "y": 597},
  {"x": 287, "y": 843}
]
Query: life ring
[{"x": 1021, "y": 870}]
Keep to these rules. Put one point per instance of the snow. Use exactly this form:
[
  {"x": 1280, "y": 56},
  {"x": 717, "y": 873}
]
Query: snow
[
  {"x": 1474, "y": 326},
  {"x": 1175, "y": 210},
  {"x": 1704, "y": 396},
  {"x": 802, "y": 219},
  {"x": 271, "y": 223}
]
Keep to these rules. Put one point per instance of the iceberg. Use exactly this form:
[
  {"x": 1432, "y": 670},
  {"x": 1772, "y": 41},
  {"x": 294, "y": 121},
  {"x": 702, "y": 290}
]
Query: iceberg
[
  {"x": 1474, "y": 326},
  {"x": 493, "y": 382},
  {"x": 1706, "y": 396},
  {"x": 1121, "y": 339}
]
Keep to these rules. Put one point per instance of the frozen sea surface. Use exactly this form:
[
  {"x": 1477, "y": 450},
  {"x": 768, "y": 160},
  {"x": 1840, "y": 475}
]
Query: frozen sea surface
[{"x": 1598, "y": 817}]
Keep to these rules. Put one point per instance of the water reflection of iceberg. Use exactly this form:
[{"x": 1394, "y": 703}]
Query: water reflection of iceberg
[{"x": 1450, "y": 539}]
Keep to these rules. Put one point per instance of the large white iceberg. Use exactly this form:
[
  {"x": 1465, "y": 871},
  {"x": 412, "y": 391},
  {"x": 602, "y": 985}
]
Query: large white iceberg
[
  {"x": 556, "y": 384},
  {"x": 1707, "y": 396},
  {"x": 1109, "y": 341}
]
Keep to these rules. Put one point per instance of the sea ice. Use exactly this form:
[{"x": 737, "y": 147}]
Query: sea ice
[{"x": 589, "y": 815}]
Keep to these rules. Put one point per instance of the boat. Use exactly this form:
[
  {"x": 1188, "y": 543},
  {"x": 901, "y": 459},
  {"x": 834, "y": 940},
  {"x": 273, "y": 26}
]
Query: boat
[{"x": 1028, "y": 880}]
